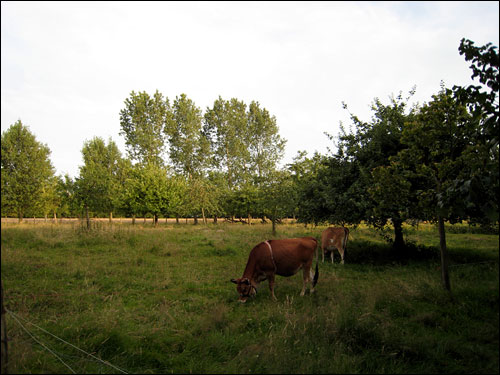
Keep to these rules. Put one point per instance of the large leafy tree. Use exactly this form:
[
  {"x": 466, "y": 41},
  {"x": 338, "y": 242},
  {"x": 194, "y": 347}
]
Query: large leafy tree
[
  {"x": 149, "y": 190},
  {"x": 305, "y": 174},
  {"x": 245, "y": 145},
  {"x": 340, "y": 191},
  {"x": 482, "y": 100},
  {"x": 265, "y": 145},
  {"x": 188, "y": 147},
  {"x": 226, "y": 128},
  {"x": 480, "y": 179},
  {"x": 51, "y": 200},
  {"x": 436, "y": 141},
  {"x": 201, "y": 197},
  {"x": 277, "y": 197},
  {"x": 69, "y": 206},
  {"x": 101, "y": 176},
  {"x": 26, "y": 171},
  {"x": 361, "y": 155},
  {"x": 220, "y": 194},
  {"x": 142, "y": 123}
]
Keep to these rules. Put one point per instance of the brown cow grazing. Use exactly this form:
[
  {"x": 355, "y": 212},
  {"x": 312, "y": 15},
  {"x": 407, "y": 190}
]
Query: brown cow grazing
[
  {"x": 334, "y": 238},
  {"x": 278, "y": 257}
]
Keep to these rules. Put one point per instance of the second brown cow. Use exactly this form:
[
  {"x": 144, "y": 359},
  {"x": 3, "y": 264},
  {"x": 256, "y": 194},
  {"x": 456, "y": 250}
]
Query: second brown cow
[{"x": 334, "y": 238}]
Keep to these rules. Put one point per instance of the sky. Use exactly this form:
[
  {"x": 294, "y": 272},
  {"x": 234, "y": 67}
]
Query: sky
[{"x": 68, "y": 67}]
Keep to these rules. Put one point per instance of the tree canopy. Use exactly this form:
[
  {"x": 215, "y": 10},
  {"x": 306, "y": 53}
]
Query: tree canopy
[{"x": 27, "y": 172}]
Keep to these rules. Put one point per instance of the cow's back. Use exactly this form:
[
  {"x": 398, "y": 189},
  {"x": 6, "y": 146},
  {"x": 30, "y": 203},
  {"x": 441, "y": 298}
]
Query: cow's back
[
  {"x": 332, "y": 237},
  {"x": 302, "y": 247},
  {"x": 292, "y": 254}
]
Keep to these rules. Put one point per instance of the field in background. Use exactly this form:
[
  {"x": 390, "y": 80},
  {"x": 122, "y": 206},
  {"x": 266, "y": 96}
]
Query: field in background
[{"x": 160, "y": 300}]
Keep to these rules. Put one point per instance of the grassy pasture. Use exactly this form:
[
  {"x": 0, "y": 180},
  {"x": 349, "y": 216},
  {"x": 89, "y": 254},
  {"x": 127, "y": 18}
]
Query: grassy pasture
[{"x": 160, "y": 300}]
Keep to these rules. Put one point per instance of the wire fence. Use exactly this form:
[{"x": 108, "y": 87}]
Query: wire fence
[{"x": 59, "y": 356}]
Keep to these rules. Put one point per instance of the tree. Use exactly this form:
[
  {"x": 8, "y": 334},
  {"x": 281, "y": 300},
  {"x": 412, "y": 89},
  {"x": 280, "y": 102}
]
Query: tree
[
  {"x": 26, "y": 170},
  {"x": 143, "y": 122},
  {"x": 483, "y": 104},
  {"x": 244, "y": 201},
  {"x": 148, "y": 189},
  {"x": 436, "y": 140},
  {"x": 480, "y": 180},
  {"x": 359, "y": 157},
  {"x": 305, "y": 171},
  {"x": 264, "y": 142},
  {"x": 226, "y": 128},
  {"x": 51, "y": 200},
  {"x": 201, "y": 195},
  {"x": 277, "y": 197},
  {"x": 219, "y": 192},
  {"x": 343, "y": 193},
  {"x": 188, "y": 145},
  {"x": 176, "y": 205},
  {"x": 101, "y": 176},
  {"x": 69, "y": 205}
]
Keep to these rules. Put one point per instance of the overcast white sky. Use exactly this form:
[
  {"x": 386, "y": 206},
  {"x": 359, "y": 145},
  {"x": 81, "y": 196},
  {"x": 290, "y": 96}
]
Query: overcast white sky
[{"x": 67, "y": 67}]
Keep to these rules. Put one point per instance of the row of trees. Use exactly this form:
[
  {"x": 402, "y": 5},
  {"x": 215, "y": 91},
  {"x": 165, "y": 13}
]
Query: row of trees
[
  {"x": 438, "y": 162},
  {"x": 222, "y": 163}
]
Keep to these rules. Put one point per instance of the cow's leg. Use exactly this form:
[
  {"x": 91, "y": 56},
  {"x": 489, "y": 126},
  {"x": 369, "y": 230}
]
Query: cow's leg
[
  {"x": 323, "y": 254},
  {"x": 270, "y": 278},
  {"x": 306, "y": 272},
  {"x": 331, "y": 255},
  {"x": 311, "y": 278},
  {"x": 341, "y": 256}
]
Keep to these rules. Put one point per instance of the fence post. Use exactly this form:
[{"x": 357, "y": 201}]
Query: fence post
[{"x": 4, "y": 336}]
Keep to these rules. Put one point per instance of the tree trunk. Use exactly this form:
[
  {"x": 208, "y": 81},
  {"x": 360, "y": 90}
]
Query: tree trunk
[
  {"x": 4, "y": 336},
  {"x": 249, "y": 219},
  {"x": 445, "y": 277},
  {"x": 55, "y": 218},
  {"x": 155, "y": 220},
  {"x": 133, "y": 219},
  {"x": 203, "y": 215},
  {"x": 273, "y": 220},
  {"x": 87, "y": 217},
  {"x": 399, "y": 242},
  {"x": 111, "y": 217}
]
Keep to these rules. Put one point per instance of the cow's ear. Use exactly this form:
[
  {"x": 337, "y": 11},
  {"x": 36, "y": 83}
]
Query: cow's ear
[{"x": 234, "y": 281}]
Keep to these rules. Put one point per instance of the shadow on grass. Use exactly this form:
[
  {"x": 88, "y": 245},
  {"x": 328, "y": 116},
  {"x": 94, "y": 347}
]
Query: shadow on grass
[{"x": 366, "y": 252}]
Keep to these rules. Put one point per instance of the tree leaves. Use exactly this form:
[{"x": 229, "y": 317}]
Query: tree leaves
[{"x": 27, "y": 172}]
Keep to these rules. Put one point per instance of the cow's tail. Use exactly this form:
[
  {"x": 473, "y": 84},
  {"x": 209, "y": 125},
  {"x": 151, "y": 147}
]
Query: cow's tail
[
  {"x": 346, "y": 237},
  {"x": 316, "y": 272}
]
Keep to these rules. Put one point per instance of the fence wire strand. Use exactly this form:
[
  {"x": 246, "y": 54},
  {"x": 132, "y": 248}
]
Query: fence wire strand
[
  {"x": 60, "y": 339},
  {"x": 41, "y": 343}
]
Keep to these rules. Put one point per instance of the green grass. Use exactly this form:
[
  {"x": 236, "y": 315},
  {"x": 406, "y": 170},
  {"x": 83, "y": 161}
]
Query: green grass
[{"x": 160, "y": 300}]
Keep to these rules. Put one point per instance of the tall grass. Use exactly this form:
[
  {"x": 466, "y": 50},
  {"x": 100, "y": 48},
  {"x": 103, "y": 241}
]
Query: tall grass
[{"x": 159, "y": 300}]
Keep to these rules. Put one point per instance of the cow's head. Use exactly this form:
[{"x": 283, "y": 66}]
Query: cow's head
[{"x": 244, "y": 288}]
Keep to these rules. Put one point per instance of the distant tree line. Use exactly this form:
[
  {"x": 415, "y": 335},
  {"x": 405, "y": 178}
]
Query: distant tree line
[
  {"x": 179, "y": 163},
  {"x": 437, "y": 161}
]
